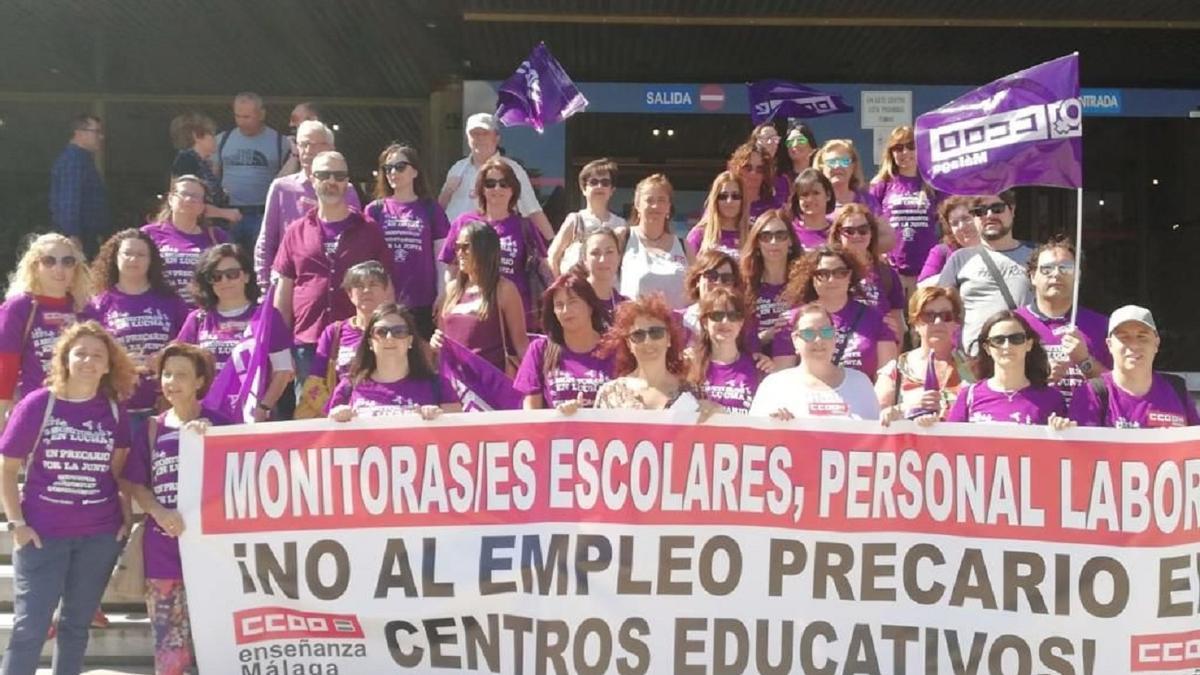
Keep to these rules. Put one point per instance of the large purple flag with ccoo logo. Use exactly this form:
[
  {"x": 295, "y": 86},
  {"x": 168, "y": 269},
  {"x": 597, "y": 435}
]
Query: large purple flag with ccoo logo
[
  {"x": 771, "y": 98},
  {"x": 1023, "y": 129},
  {"x": 539, "y": 94}
]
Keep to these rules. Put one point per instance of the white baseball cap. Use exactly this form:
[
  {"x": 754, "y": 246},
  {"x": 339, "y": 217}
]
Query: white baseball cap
[
  {"x": 482, "y": 121},
  {"x": 1131, "y": 313}
]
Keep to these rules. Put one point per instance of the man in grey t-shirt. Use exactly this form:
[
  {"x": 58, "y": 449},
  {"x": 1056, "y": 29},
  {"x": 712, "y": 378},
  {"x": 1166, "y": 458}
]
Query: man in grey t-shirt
[
  {"x": 249, "y": 157},
  {"x": 987, "y": 289}
]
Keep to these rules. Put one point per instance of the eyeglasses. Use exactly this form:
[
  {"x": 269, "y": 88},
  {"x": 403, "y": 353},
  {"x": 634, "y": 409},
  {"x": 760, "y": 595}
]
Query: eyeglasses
[
  {"x": 837, "y": 273},
  {"x": 231, "y": 274},
  {"x": 772, "y": 236},
  {"x": 654, "y": 333},
  {"x": 754, "y": 168},
  {"x": 599, "y": 182},
  {"x": 1015, "y": 339},
  {"x": 462, "y": 247},
  {"x": 67, "y": 261},
  {"x": 722, "y": 316},
  {"x": 1064, "y": 269},
  {"x": 996, "y": 208},
  {"x": 189, "y": 196},
  {"x": 909, "y": 146},
  {"x": 961, "y": 223},
  {"x": 930, "y": 316},
  {"x": 714, "y": 277},
  {"x": 384, "y": 332},
  {"x": 339, "y": 176},
  {"x": 769, "y": 140},
  {"x": 729, "y": 196},
  {"x": 493, "y": 184},
  {"x": 813, "y": 334},
  {"x": 838, "y": 162},
  {"x": 396, "y": 167},
  {"x": 857, "y": 231}
]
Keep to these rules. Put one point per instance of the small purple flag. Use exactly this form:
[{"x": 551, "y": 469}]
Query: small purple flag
[
  {"x": 476, "y": 382},
  {"x": 931, "y": 384},
  {"x": 236, "y": 390},
  {"x": 1024, "y": 129},
  {"x": 539, "y": 94},
  {"x": 769, "y": 98}
]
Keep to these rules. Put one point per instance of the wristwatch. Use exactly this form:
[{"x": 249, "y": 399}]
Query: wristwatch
[
  {"x": 1086, "y": 366},
  {"x": 14, "y": 524}
]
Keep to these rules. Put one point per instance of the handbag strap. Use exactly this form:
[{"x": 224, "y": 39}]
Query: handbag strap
[
  {"x": 995, "y": 272},
  {"x": 335, "y": 346}
]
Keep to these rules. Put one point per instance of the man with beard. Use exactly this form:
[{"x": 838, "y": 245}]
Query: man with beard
[
  {"x": 290, "y": 197},
  {"x": 1076, "y": 351},
  {"x": 1133, "y": 395},
  {"x": 990, "y": 277},
  {"x": 314, "y": 255}
]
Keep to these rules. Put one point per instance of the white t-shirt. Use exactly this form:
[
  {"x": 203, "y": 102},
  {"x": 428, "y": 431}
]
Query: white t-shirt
[
  {"x": 854, "y": 398},
  {"x": 464, "y": 199},
  {"x": 573, "y": 253},
  {"x": 646, "y": 270}
]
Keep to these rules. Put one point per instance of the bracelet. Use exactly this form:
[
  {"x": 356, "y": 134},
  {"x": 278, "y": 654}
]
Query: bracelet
[{"x": 264, "y": 407}]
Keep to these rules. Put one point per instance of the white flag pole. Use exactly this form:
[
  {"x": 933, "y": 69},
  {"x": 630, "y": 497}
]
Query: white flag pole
[{"x": 1078, "y": 252}]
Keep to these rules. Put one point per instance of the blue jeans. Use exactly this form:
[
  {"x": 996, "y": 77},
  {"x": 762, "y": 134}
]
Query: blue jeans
[
  {"x": 73, "y": 569},
  {"x": 244, "y": 232}
]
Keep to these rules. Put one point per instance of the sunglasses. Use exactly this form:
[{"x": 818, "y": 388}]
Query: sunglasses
[
  {"x": 396, "y": 167},
  {"x": 813, "y": 334},
  {"x": 910, "y": 146},
  {"x": 838, "y": 162},
  {"x": 384, "y": 332},
  {"x": 339, "y": 176},
  {"x": 1015, "y": 339},
  {"x": 189, "y": 196},
  {"x": 857, "y": 231},
  {"x": 462, "y": 247},
  {"x": 826, "y": 275},
  {"x": 599, "y": 182},
  {"x": 713, "y": 277},
  {"x": 753, "y": 168},
  {"x": 655, "y": 333},
  {"x": 930, "y": 316},
  {"x": 796, "y": 141},
  {"x": 995, "y": 208},
  {"x": 1064, "y": 269},
  {"x": 67, "y": 261},
  {"x": 722, "y": 316},
  {"x": 772, "y": 236},
  {"x": 231, "y": 274},
  {"x": 769, "y": 140},
  {"x": 729, "y": 197},
  {"x": 493, "y": 184}
]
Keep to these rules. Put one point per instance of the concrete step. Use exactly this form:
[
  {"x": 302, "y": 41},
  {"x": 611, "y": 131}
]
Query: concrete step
[
  {"x": 128, "y": 641},
  {"x": 110, "y": 603}
]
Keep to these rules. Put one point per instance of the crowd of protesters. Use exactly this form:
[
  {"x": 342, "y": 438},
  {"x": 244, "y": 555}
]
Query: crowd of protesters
[{"x": 803, "y": 291}]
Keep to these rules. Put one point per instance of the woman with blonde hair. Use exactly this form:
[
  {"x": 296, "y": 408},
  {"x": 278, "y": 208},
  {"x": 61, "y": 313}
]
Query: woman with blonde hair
[
  {"x": 47, "y": 292},
  {"x": 69, "y": 521},
  {"x": 654, "y": 260},
  {"x": 725, "y": 221},
  {"x": 838, "y": 160},
  {"x": 181, "y": 233},
  {"x": 907, "y": 202}
]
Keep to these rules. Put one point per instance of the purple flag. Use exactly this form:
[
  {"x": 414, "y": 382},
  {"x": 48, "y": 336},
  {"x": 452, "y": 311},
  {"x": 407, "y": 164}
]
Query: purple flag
[
  {"x": 1024, "y": 129},
  {"x": 236, "y": 390},
  {"x": 539, "y": 94},
  {"x": 931, "y": 384},
  {"x": 477, "y": 383},
  {"x": 769, "y": 98}
]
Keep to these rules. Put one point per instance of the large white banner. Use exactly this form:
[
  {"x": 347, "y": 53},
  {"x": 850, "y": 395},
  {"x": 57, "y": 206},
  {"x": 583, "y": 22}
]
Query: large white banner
[{"x": 624, "y": 542}]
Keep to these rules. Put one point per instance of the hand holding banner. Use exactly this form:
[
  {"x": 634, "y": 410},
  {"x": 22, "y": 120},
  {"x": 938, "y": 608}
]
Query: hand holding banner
[{"x": 1023, "y": 129}]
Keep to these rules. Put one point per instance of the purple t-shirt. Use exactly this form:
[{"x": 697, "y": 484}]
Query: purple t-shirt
[
  {"x": 512, "y": 249},
  {"x": 935, "y": 261},
  {"x": 70, "y": 489},
  {"x": 142, "y": 324},
  {"x": 873, "y": 289},
  {"x": 158, "y": 469},
  {"x": 348, "y": 339},
  {"x": 180, "y": 253},
  {"x": 577, "y": 374},
  {"x": 978, "y": 402},
  {"x": 859, "y": 327},
  {"x": 219, "y": 334},
  {"x": 410, "y": 230},
  {"x": 728, "y": 242},
  {"x": 1159, "y": 407},
  {"x": 371, "y": 398},
  {"x": 34, "y": 349},
  {"x": 732, "y": 385},
  {"x": 810, "y": 239},
  {"x": 904, "y": 203},
  {"x": 1049, "y": 330},
  {"x": 761, "y": 206},
  {"x": 770, "y": 309}
]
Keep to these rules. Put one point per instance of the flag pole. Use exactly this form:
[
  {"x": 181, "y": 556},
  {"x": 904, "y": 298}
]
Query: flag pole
[{"x": 1078, "y": 252}]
